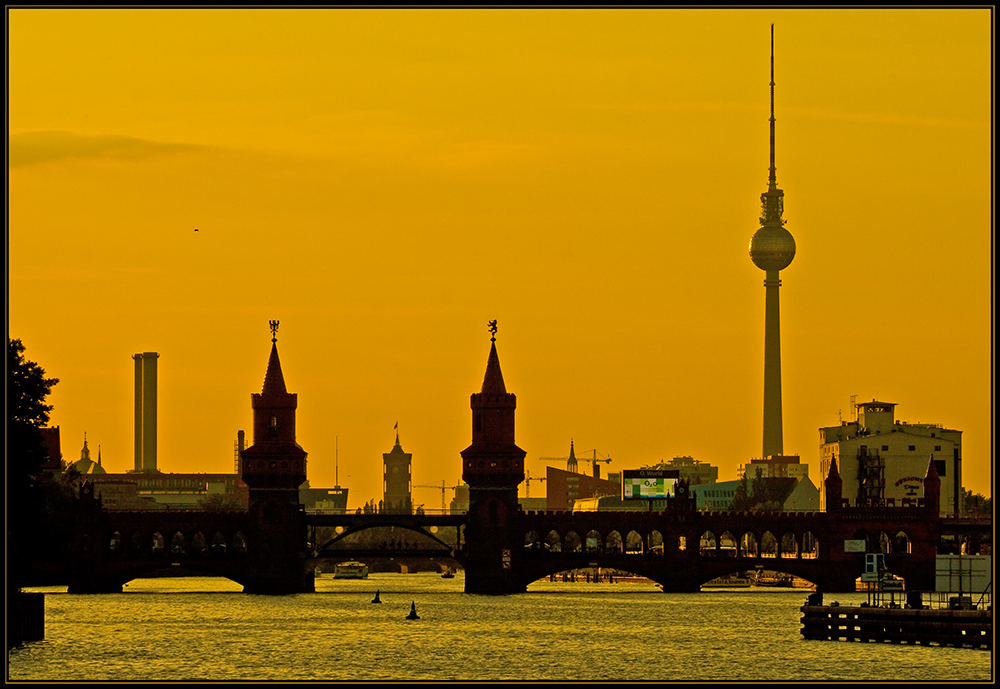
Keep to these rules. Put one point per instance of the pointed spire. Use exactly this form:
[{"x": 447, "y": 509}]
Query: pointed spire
[
  {"x": 572, "y": 454},
  {"x": 274, "y": 382},
  {"x": 493, "y": 380}
]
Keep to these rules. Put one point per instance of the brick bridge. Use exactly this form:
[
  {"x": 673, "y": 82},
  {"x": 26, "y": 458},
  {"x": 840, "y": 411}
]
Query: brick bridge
[
  {"x": 678, "y": 548},
  {"x": 271, "y": 548}
]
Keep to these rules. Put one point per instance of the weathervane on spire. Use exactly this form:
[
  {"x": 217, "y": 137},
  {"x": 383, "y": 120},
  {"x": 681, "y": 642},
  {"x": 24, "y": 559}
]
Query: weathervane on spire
[
  {"x": 493, "y": 329},
  {"x": 274, "y": 330}
]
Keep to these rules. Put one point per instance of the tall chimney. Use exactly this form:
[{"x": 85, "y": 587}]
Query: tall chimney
[{"x": 145, "y": 411}]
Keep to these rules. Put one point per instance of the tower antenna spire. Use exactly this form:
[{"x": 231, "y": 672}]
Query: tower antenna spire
[{"x": 772, "y": 182}]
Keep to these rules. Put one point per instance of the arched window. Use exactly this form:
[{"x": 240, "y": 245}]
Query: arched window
[
  {"x": 553, "y": 541},
  {"x": 789, "y": 545},
  {"x": 572, "y": 542},
  {"x": 593, "y": 542},
  {"x": 655, "y": 542}
]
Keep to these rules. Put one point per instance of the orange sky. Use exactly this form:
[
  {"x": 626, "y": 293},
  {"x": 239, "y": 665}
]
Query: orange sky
[{"x": 385, "y": 182}]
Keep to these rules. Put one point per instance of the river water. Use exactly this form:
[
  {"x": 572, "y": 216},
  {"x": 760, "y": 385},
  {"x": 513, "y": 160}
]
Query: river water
[{"x": 203, "y": 628}]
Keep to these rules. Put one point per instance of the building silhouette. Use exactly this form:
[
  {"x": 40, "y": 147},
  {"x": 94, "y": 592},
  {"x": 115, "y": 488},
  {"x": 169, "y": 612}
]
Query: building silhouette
[
  {"x": 690, "y": 469},
  {"x": 564, "y": 488},
  {"x": 85, "y": 466},
  {"x": 397, "y": 481},
  {"x": 775, "y": 466}
]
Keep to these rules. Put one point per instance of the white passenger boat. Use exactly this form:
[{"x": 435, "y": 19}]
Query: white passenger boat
[
  {"x": 730, "y": 581},
  {"x": 350, "y": 570}
]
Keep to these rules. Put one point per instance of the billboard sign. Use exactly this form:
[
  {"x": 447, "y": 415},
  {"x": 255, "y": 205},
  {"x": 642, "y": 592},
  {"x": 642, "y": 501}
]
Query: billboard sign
[{"x": 648, "y": 484}]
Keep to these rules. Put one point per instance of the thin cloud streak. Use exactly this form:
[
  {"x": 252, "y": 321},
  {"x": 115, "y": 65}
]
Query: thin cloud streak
[{"x": 34, "y": 148}]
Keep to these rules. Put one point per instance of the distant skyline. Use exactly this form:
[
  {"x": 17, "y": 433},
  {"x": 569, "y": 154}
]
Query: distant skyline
[{"x": 385, "y": 182}]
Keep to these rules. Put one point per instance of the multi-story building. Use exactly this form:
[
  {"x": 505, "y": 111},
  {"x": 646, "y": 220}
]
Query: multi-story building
[
  {"x": 882, "y": 461},
  {"x": 691, "y": 470},
  {"x": 564, "y": 488},
  {"x": 775, "y": 466}
]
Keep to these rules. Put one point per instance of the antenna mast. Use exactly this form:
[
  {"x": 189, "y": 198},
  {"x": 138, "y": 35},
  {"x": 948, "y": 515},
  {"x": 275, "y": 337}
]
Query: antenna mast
[{"x": 772, "y": 182}]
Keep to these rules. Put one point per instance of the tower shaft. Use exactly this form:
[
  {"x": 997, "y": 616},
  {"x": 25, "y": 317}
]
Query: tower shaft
[{"x": 773, "y": 444}]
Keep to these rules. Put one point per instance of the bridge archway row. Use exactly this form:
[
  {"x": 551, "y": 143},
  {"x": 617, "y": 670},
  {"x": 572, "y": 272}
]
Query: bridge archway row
[
  {"x": 613, "y": 541},
  {"x": 789, "y": 544},
  {"x": 200, "y": 543},
  {"x": 886, "y": 542}
]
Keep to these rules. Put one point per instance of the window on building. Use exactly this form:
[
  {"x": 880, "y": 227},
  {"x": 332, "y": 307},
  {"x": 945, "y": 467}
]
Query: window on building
[
  {"x": 885, "y": 448},
  {"x": 912, "y": 448},
  {"x": 937, "y": 448},
  {"x": 941, "y": 466}
]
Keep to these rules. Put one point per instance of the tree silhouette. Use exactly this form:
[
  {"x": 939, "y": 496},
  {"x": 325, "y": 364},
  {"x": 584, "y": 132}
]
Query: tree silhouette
[{"x": 27, "y": 486}]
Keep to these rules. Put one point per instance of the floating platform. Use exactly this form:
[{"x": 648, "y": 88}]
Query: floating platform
[{"x": 898, "y": 625}]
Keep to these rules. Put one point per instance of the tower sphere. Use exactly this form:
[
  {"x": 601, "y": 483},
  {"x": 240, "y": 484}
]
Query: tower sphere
[{"x": 772, "y": 248}]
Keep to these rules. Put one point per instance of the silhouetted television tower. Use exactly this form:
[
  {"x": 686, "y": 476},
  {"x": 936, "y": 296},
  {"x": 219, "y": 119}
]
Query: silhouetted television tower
[{"x": 772, "y": 249}]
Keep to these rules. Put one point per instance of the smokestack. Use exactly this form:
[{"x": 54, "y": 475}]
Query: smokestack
[
  {"x": 145, "y": 411},
  {"x": 241, "y": 444}
]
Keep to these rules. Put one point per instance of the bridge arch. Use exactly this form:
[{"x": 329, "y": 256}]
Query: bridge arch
[
  {"x": 573, "y": 543},
  {"x": 613, "y": 542},
  {"x": 218, "y": 544},
  {"x": 177, "y": 544},
  {"x": 810, "y": 545},
  {"x": 789, "y": 546},
  {"x": 553, "y": 541},
  {"x": 655, "y": 542},
  {"x": 768, "y": 545},
  {"x": 633, "y": 542},
  {"x": 352, "y": 532}
]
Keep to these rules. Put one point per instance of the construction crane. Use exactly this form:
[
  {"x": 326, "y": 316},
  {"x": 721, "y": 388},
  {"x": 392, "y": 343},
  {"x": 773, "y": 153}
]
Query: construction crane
[
  {"x": 527, "y": 483},
  {"x": 441, "y": 488}
]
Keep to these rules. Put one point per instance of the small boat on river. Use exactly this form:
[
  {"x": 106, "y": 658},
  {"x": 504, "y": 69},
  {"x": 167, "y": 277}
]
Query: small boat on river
[
  {"x": 730, "y": 581},
  {"x": 350, "y": 570}
]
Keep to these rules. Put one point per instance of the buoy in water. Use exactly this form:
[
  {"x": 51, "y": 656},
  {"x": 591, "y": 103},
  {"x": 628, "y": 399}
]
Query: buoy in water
[
  {"x": 413, "y": 611},
  {"x": 376, "y": 599}
]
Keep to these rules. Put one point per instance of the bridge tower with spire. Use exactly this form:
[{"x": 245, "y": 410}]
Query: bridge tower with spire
[
  {"x": 274, "y": 468},
  {"x": 493, "y": 466}
]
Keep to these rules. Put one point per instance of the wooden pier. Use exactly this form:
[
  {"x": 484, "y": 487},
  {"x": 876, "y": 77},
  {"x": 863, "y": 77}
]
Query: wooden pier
[{"x": 899, "y": 625}]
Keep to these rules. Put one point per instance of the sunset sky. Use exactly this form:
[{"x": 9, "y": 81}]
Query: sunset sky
[{"x": 384, "y": 182}]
